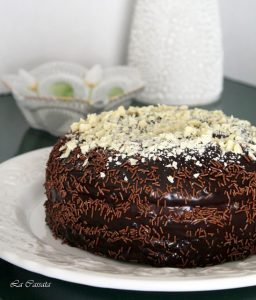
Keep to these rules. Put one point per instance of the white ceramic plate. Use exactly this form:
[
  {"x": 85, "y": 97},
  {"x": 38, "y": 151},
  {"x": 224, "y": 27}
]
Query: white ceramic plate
[{"x": 26, "y": 242}]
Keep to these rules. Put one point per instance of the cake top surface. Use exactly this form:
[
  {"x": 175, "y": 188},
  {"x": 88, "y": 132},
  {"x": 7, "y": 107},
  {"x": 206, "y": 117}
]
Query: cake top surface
[{"x": 155, "y": 131}]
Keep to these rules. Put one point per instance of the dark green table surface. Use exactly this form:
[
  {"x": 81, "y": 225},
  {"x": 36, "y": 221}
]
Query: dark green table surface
[{"x": 16, "y": 137}]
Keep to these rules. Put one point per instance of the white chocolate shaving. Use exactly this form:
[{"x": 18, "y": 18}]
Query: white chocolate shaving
[
  {"x": 171, "y": 179},
  {"x": 102, "y": 175},
  {"x": 151, "y": 130}
]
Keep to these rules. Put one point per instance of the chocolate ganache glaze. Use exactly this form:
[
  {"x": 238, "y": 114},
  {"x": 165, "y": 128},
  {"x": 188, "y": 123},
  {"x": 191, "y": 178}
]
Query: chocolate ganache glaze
[{"x": 160, "y": 185}]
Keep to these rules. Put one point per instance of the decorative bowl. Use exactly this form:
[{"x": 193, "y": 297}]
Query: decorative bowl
[{"x": 54, "y": 95}]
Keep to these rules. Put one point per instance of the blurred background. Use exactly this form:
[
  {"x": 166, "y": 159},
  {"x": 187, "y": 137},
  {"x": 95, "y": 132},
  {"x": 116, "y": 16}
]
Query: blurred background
[{"x": 88, "y": 32}]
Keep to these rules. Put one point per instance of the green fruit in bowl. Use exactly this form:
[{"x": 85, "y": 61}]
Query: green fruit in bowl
[
  {"x": 115, "y": 92},
  {"x": 62, "y": 89}
]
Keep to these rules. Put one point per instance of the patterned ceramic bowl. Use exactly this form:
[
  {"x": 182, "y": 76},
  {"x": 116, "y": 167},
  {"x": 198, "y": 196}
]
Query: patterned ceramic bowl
[{"x": 54, "y": 95}]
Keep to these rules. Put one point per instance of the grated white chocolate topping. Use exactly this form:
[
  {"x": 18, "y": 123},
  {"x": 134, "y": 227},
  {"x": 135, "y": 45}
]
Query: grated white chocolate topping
[{"x": 151, "y": 130}]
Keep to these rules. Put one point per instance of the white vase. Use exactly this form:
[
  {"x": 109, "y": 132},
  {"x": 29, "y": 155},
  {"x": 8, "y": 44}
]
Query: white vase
[{"x": 176, "y": 45}]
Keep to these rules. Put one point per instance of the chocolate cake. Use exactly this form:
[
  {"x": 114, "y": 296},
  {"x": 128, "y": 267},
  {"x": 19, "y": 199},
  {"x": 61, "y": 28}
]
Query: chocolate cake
[{"x": 160, "y": 185}]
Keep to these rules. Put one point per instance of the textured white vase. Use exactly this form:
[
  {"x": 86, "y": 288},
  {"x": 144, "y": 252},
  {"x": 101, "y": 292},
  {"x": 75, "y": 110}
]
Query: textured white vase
[{"x": 176, "y": 45}]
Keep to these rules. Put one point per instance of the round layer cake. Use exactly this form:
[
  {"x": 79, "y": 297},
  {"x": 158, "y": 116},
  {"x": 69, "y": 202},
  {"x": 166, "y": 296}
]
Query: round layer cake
[{"x": 160, "y": 185}]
